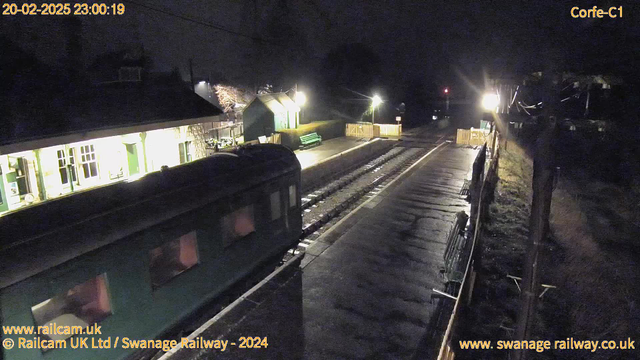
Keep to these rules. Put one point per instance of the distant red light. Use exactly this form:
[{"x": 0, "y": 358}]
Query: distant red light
[{"x": 446, "y": 90}]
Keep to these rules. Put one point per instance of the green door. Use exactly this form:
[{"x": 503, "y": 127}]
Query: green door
[
  {"x": 132, "y": 159},
  {"x": 3, "y": 197}
]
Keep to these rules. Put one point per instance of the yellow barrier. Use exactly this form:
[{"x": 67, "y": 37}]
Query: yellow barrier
[
  {"x": 473, "y": 137},
  {"x": 372, "y": 130}
]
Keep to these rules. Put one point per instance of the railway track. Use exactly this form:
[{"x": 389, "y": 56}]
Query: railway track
[
  {"x": 328, "y": 204},
  {"x": 336, "y": 185},
  {"x": 322, "y": 208}
]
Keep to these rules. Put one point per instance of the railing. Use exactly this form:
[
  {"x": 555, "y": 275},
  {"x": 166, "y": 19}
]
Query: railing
[
  {"x": 453, "y": 254},
  {"x": 484, "y": 169}
]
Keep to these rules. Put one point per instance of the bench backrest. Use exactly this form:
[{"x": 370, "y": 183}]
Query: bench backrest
[{"x": 309, "y": 137}]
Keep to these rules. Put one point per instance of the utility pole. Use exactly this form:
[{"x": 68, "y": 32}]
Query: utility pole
[{"x": 543, "y": 178}]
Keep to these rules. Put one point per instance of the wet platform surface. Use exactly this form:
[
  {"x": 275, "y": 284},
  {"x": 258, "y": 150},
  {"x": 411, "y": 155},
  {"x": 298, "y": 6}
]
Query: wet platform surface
[
  {"x": 363, "y": 289},
  {"x": 313, "y": 155}
]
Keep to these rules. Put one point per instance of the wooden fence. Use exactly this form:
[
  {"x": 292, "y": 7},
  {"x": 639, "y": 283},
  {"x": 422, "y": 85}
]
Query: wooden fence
[
  {"x": 389, "y": 129},
  {"x": 359, "y": 130},
  {"x": 372, "y": 130},
  {"x": 474, "y": 137}
]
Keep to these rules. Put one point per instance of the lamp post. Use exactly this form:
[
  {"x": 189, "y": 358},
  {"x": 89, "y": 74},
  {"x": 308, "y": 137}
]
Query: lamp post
[{"x": 375, "y": 102}]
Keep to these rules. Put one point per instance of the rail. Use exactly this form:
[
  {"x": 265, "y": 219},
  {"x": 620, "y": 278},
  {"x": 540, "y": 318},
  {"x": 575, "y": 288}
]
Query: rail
[{"x": 310, "y": 228}]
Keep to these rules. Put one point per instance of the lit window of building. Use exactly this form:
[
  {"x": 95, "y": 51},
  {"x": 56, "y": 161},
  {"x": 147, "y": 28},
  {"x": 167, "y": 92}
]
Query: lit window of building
[
  {"x": 111, "y": 134},
  {"x": 67, "y": 167},
  {"x": 88, "y": 160}
]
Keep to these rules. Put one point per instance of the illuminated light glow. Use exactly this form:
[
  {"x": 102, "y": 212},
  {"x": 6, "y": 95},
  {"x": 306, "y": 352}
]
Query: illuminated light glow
[
  {"x": 300, "y": 98},
  {"x": 375, "y": 101},
  {"x": 490, "y": 102},
  {"x": 202, "y": 82},
  {"x": 446, "y": 90}
]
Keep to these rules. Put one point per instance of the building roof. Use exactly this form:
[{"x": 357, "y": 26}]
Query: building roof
[
  {"x": 277, "y": 102},
  {"x": 107, "y": 106},
  {"x": 285, "y": 100}
]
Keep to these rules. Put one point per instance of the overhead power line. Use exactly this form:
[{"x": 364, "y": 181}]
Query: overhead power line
[{"x": 203, "y": 23}]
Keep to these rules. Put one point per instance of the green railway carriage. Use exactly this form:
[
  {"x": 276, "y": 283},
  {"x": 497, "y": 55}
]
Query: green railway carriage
[{"x": 137, "y": 258}]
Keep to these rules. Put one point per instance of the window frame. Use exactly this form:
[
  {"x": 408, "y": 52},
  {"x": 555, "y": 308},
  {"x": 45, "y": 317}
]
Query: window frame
[
  {"x": 68, "y": 160},
  {"x": 166, "y": 244},
  {"x": 87, "y": 158},
  {"x": 292, "y": 204},
  {"x": 22, "y": 176},
  {"x": 184, "y": 152},
  {"x": 278, "y": 196},
  {"x": 224, "y": 229},
  {"x": 103, "y": 289}
]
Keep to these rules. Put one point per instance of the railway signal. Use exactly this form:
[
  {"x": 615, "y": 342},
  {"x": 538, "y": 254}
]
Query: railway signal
[{"x": 446, "y": 93}]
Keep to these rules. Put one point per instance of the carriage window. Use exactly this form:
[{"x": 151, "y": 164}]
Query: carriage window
[
  {"x": 237, "y": 225},
  {"x": 75, "y": 309},
  {"x": 275, "y": 205},
  {"x": 172, "y": 258},
  {"x": 292, "y": 196}
]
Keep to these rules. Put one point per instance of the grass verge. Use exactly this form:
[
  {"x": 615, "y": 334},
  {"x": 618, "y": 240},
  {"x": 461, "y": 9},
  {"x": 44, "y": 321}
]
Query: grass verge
[{"x": 591, "y": 256}]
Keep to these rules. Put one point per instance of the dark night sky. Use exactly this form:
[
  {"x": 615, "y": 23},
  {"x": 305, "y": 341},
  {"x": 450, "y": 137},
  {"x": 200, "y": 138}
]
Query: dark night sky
[{"x": 427, "y": 40}]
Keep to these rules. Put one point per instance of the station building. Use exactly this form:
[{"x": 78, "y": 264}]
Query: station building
[
  {"x": 269, "y": 113},
  {"x": 108, "y": 133}
]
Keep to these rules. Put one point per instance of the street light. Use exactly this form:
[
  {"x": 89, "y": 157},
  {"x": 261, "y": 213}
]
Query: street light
[
  {"x": 300, "y": 98},
  {"x": 375, "y": 102},
  {"x": 490, "y": 101}
]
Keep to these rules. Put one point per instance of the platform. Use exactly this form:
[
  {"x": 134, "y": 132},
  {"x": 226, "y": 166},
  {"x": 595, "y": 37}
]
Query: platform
[
  {"x": 364, "y": 289},
  {"x": 328, "y": 148}
]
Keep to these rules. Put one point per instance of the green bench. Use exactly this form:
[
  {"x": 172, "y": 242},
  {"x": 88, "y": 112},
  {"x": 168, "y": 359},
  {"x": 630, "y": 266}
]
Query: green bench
[{"x": 309, "y": 140}]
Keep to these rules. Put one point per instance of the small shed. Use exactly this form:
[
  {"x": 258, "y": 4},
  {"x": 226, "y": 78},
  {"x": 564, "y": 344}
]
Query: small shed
[{"x": 269, "y": 113}]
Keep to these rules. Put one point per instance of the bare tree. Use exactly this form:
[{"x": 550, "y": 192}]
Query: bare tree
[{"x": 229, "y": 97}]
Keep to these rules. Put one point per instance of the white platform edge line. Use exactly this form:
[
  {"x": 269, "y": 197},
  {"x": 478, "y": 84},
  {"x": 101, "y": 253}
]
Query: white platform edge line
[{"x": 231, "y": 306}]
